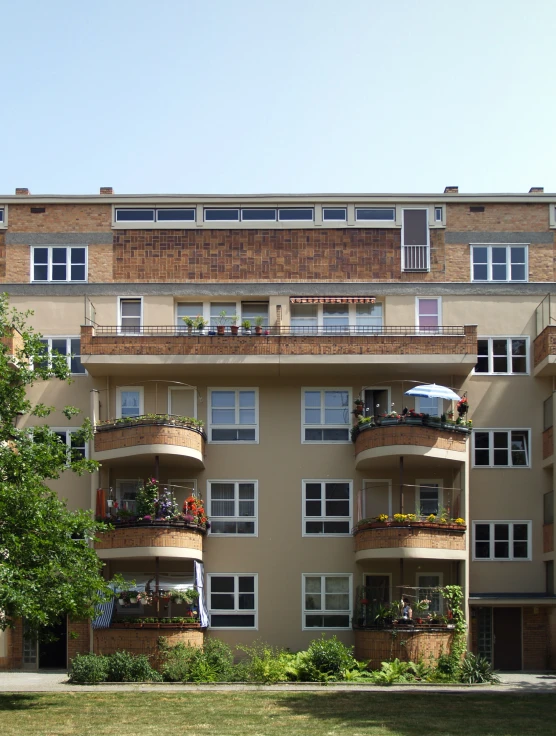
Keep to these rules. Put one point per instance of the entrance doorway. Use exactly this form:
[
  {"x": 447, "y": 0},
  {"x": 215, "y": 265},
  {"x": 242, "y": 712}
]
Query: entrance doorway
[
  {"x": 506, "y": 629},
  {"x": 49, "y": 651}
]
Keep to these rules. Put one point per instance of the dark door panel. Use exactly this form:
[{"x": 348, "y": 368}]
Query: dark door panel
[{"x": 507, "y": 638}]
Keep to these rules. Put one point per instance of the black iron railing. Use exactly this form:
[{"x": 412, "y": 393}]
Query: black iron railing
[{"x": 283, "y": 331}]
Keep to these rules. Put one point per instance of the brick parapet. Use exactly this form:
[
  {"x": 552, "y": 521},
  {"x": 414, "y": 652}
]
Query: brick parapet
[
  {"x": 547, "y": 443},
  {"x": 144, "y": 641},
  {"x": 13, "y": 342},
  {"x": 14, "y": 648},
  {"x": 404, "y": 644},
  {"x": 402, "y": 434},
  {"x": 449, "y": 345},
  {"x": 545, "y": 344},
  {"x": 537, "y": 643},
  {"x": 119, "y": 438},
  {"x": 150, "y": 536},
  {"x": 409, "y": 537},
  {"x": 79, "y": 638}
]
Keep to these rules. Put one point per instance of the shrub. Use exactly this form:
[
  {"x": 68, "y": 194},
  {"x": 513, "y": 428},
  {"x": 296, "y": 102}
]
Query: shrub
[
  {"x": 330, "y": 656},
  {"x": 477, "y": 669},
  {"x": 88, "y": 668},
  {"x": 125, "y": 667},
  {"x": 183, "y": 663},
  {"x": 264, "y": 663}
]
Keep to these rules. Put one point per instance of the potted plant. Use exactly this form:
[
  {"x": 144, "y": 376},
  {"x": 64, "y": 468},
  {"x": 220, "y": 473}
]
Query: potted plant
[
  {"x": 190, "y": 323},
  {"x": 221, "y": 322},
  {"x": 359, "y": 407},
  {"x": 200, "y": 324},
  {"x": 234, "y": 327},
  {"x": 390, "y": 419},
  {"x": 259, "y": 325},
  {"x": 246, "y": 327}
]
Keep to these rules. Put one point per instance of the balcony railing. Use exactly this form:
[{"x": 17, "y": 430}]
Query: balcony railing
[
  {"x": 383, "y": 608},
  {"x": 279, "y": 331},
  {"x": 415, "y": 257}
]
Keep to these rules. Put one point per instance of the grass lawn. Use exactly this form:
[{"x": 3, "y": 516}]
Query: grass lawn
[{"x": 272, "y": 713}]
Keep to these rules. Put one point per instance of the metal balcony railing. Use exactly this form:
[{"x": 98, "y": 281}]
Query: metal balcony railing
[{"x": 283, "y": 331}]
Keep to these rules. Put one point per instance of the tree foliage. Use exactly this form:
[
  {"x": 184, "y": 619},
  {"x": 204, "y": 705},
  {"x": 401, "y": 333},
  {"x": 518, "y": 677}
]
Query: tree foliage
[{"x": 48, "y": 567}]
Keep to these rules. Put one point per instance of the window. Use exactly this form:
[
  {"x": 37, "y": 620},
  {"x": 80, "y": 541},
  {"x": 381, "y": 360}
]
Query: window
[
  {"x": 76, "y": 445},
  {"x": 233, "y": 507},
  {"x": 148, "y": 214},
  {"x": 327, "y": 507},
  {"x": 129, "y": 401},
  {"x": 326, "y": 416},
  {"x": 130, "y": 314},
  {"x": 415, "y": 240},
  {"x": 432, "y": 406},
  {"x": 126, "y": 493},
  {"x": 233, "y": 415},
  {"x": 502, "y": 540},
  {"x": 2, "y": 215},
  {"x": 334, "y": 214},
  {"x": 326, "y": 601},
  {"x": 368, "y": 317},
  {"x": 304, "y": 317},
  {"x": 336, "y": 318},
  {"x": 68, "y": 346},
  {"x": 438, "y": 214},
  {"x": 296, "y": 213},
  {"x": 498, "y": 448},
  {"x": 59, "y": 263},
  {"x": 385, "y": 214},
  {"x": 499, "y": 262},
  {"x": 232, "y": 600},
  {"x": 429, "y": 500},
  {"x": 221, "y": 215},
  {"x": 429, "y": 313},
  {"x": 502, "y": 355},
  {"x": 252, "y": 310},
  {"x": 188, "y": 309},
  {"x": 216, "y": 309},
  {"x": 254, "y": 214},
  {"x": 428, "y": 590}
]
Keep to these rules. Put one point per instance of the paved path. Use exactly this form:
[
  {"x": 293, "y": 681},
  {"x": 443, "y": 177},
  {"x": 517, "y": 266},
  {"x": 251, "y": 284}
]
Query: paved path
[{"x": 55, "y": 682}]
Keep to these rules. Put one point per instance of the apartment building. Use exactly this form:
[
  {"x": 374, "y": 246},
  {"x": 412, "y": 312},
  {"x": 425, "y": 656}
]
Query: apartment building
[{"x": 317, "y": 312}]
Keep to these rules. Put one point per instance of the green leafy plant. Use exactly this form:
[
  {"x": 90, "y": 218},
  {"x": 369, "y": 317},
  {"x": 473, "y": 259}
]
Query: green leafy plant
[
  {"x": 88, "y": 669},
  {"x": 264, "y": 663},
  {"x": 147, "y": 497},
  {"x": 392, "y": 672},
  {"x": 211, "y": 663},
  {"x": 330, "y": 656},
  {"x": 125, "y": 667},
  {"x": 477, "y": 669}
]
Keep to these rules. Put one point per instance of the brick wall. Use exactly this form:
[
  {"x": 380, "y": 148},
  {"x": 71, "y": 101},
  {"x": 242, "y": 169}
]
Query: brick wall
[
  {"x": 545, "y": 344},
  {"x": 14, "y": 648},
  {"x": 60, "y": 218},
  {"x": 143, "y": 641},
  {"x": 380, "y": 646},
  {"x": 2, "y": 255},
  {"x": 92, "y": 344},
  {"x": 142, "y": 434},
  {"x": 149, "y": 536},
  {"x": 503, "y": 217},
  {"x": 13, "y": 342},
  {"x": 536, "y": 638},
  {"x": 412, "y": 536},
  {"x": 79, "y": 638},
  {"x": 402, "y": 434}
]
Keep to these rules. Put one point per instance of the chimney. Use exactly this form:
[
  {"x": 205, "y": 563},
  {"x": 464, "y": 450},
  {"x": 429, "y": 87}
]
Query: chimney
[
  {"x": 22, "y": 190},
  {"x": 106, "y": 190},
  {"x": 451, "y": 190},
  {"x": 536, "y": 190}
]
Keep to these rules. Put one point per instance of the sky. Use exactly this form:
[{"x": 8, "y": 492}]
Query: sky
[{"x": 278, "y": 96}]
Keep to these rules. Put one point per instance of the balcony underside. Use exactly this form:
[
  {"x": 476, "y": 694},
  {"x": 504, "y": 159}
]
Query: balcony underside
[
  {"x": 139, "y": 541},
  {"x": 410, "y": 553}
]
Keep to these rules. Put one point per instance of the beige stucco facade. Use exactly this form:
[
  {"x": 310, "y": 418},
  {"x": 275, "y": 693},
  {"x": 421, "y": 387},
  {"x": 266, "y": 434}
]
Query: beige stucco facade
[{"x": 279, "y": 462}]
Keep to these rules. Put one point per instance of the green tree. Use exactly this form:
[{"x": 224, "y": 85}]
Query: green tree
[{"x": 47, "y": 565}]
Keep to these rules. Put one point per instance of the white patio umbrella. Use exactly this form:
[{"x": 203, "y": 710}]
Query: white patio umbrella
[{"x": 433, "y": 391}]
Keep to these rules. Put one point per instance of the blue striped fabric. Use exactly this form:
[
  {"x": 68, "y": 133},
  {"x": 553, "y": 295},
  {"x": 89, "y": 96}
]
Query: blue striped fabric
[{"x": 104, "y": 613}]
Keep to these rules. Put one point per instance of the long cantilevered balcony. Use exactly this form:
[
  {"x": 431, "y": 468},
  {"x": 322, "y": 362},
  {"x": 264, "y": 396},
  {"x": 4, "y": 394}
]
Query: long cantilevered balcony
[{"x": 112, "y": 350}]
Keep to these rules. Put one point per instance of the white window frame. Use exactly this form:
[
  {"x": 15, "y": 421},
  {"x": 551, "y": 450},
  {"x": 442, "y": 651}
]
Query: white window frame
[
  {"x": 68, "y": 339},
  {"x": 205, "y": 311},
  {"x": 236, "y": 517},
  {"x": 390, "y": 220},
  {"x": 324, "y": 612},
  {"x": 69, "y": 431},
  {"x": 422, "y": 574},
  {"x": 334, "y": 219},
  {"x": 439, "y": 220},
  {"x": 507, "y": 246},
  {"x": 172, "y": 389},
  {"x": 438, "y": 300},
  {"x": 426, "y": 245},
  {"x": 352, "y": 318},
  {"x": 419, "y": 482},
  {"x": 323, "y": 517},
  {"x": 325, "y": 426},
  {"x": 491, "y": 466},
  {"x": 49, "y": 278},
  {"x": 508, "y": 338},
  {"x": 236, "y": 610},
  {"x": 385, "y": 481},
  {"x": 120, "y": 326},
  {"x": 118, "y": 496},
  {"x": 3, "y": 226},
  {"x": 439, "y": 406},
  {"x": 511, "y": 558},
  {"x": 120, "y": 389},
  {"x": 212, "y": 426}
]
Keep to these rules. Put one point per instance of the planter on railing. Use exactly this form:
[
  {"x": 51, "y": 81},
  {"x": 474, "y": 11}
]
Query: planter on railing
[{"x": 409, "y": 421}]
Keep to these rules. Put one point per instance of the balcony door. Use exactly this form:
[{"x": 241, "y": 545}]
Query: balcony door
[
  {"x": 506, "y": 629},
  {"x": 377, "y": 401}
]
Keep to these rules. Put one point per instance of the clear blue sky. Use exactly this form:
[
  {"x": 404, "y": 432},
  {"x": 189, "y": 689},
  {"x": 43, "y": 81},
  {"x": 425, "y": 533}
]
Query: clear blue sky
[{"x": 223, "y": 96}]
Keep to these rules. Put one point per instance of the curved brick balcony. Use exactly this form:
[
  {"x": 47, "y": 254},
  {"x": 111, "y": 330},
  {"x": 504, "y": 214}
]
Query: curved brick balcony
[
  {"x": 412, "y": 645},
  {"x": 422, "y": 540},
  {"x": 150, "y": 437},
  {"x": 144, "y": 640},
  {"x": 442, "y": 442},
  {"x": 544, "y": 352},
  {"x": 158, "y": 539}
]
